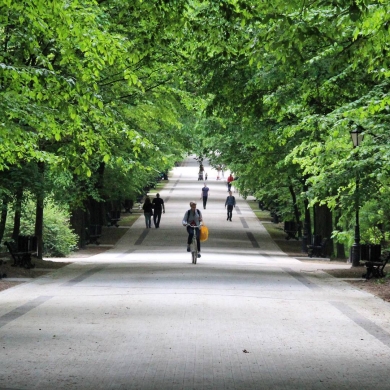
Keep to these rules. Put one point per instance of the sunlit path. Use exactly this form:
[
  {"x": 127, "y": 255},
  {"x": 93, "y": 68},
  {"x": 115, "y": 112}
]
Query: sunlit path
[{"x": 141, "y": 316}]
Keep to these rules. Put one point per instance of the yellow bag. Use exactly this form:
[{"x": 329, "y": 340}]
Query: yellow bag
[{"x": 204, "y": 233}]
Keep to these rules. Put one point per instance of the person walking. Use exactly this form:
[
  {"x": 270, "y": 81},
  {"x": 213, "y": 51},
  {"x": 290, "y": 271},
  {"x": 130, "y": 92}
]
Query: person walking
[
  {"x": 204, "y": 195},
  {"x": 148, "y": 212},
  {"x": 158, "y": 208},
  {"x": 230, "y": 203},
  {"x": 230, "y": 179},
  {"x": 192, "y": 218}
]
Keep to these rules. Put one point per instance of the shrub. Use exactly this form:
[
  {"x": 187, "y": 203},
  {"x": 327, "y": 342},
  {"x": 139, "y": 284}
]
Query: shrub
[{"x": 58, "y": 238}]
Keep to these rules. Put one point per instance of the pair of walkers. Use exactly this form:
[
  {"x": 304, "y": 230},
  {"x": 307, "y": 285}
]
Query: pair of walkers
[
  {"x": 153, "y": 208},
  {"x": 230, "y": 202}
]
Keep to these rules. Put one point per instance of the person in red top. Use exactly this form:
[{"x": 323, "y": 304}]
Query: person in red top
[{"x": 229, "y": 181}]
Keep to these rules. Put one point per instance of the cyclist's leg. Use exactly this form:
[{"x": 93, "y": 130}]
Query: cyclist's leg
[
  {"x": 198, "y": 241},
  {"x": 194, "y": 249},
  {"x": 190, "y": 232}
]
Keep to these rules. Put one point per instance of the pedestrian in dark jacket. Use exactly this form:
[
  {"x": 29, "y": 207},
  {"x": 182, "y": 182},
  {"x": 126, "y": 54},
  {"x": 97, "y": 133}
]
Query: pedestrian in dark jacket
[
  {"x": 230, "y": 203},
  {"x": 158, "y": 208},
  {"x": 205, "y": 195}
]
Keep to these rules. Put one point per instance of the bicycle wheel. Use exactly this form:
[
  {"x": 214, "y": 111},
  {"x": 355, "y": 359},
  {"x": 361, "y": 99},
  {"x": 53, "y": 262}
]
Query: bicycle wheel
[
  {"x": 194, "y": 250},
  {"x": 194, "y": 257}
]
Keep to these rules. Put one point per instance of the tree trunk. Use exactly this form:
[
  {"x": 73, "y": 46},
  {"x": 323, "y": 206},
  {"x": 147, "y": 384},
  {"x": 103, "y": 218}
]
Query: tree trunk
[
  {"x": 39, "y": 211},
  {"x": 296, "y": 210},
  {"x": 78, "y": 224},
  {"x": 340, "y": 248},
  {"x": 306, "y": 237},
  {"x": 4, "y": 213},
  {"x": 18, "y": 213},
  {"x": 324, "y": 225},
  {"x": 93, "y": 212}
]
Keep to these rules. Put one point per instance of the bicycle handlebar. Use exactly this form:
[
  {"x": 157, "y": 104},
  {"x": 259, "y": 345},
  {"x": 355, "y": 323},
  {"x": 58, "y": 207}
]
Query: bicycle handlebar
[{"x": 193, "y": 226}]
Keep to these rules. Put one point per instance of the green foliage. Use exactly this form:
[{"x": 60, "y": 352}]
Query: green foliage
[
  {"x": 281, "y": 107},
  {"x": 59, "y": 240},
  {"x": 268, "y": 89}
]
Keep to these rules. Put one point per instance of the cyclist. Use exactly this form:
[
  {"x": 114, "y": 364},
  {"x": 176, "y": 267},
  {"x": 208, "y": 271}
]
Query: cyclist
[{"x": 192, "y": 218}]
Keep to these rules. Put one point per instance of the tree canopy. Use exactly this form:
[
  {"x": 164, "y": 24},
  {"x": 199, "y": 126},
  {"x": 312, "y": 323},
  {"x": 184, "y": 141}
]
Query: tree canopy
[{"x": 270, "y": 90}]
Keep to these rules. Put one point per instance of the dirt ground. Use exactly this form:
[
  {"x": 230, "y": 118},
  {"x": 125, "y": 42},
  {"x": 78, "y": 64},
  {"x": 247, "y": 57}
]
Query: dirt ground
[
  {"x": 7, "y": 271},
  {"x": 378, "y": 287}
]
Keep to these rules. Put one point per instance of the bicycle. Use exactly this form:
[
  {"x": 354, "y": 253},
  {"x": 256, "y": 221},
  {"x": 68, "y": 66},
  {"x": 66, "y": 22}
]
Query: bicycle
[{"x": 194, "y": 245}]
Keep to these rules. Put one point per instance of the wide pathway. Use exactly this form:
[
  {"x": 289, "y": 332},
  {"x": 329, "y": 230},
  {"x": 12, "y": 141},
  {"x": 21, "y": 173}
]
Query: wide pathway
[{"x": 141, "y": 316}]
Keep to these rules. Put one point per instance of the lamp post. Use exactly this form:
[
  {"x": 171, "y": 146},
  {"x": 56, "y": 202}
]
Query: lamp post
[{"x": 357, "y": 139}]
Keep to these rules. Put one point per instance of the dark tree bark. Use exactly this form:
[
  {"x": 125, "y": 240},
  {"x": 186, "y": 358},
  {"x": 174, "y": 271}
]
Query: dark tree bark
[
  {"x": 18, "y": 213},
  {"x": 340, "y": 248},
  {"x": 324, "y": 225},
  {"x": 4, "y": 213},
  {"x": 39, "y": 210},
  {"x": 78, "y": 224},
  {"x": 297, "y": 213},
  {"x": 92, "y": 212},
  {"x": 306, "y": 237}
]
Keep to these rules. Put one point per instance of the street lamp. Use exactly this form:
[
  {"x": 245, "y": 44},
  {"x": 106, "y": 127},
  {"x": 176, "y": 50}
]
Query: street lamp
[{"x": 357, "y": 138}]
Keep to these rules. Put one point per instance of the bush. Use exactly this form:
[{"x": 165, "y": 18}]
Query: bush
[{"x": 58, "y": 238}]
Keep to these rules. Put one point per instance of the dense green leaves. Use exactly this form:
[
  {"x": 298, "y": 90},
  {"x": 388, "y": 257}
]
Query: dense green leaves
[
  {"x": 270, "y": 90},
  {"x": 285, "y": 102}
]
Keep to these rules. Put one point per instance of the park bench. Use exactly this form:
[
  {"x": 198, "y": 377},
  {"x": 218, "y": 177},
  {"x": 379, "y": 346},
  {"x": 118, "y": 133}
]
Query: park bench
[
  {"x": 370, "y": 252},
  {"x": 113, "y": 217},
  {"x": 291, "y": 228},
  {"x": 94, "y": 232},
  {"x": 22, "y": 250},
  {"x": 317, "y": 249},
  {"x": 376, "y": 268}
]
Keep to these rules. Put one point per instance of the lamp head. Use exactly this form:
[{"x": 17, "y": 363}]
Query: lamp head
[{"x": 357, "y": 135}]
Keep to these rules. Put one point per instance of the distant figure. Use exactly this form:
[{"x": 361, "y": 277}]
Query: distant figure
[
  {"x": 205, "y": 194},
  {"x": 230, "y": 203},
  {"x": 205, "y": 177},
  {"x": 229, "y": 182},
  {"x": 148, "y": 211},
  {"x": 158, "y": 205},
  {"x": 218, "y": 172}
]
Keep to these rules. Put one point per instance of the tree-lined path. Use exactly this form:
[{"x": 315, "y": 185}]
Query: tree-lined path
[{"x": 141, "y": 316}]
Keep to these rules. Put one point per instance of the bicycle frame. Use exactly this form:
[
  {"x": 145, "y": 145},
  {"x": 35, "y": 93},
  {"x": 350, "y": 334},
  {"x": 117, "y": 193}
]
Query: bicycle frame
[{"x": 194, "y": 244}]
